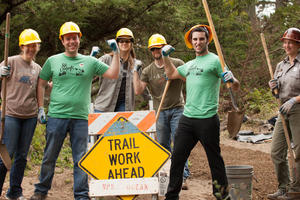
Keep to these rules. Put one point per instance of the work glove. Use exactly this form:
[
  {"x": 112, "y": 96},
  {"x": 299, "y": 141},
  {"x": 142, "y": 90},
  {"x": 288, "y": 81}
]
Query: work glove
[
  {"x": 286, "y": 107},
  {"x": 273, "y": 84},
  {"x": 5, "y": 71},
  {"x": 113, "y": 45},
  {"x": 42, "y": 115},
  {"x": 167, "y": 50},
  {"x": 95, "y": 51},
  {"x": 227, "y": 76},
  {"x": 137, "y": 65}
]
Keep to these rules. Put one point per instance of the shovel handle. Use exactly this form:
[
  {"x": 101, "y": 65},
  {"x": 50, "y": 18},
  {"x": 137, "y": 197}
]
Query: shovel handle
[
  {"x": 218, "y": 47},
  {"x": 162, "y": 99},
  {"x": 263, "y": 41},
  {"x": 6, "y": 49}
]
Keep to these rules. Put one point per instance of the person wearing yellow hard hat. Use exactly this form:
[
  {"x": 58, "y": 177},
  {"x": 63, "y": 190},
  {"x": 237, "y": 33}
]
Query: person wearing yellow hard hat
[
  {"x": 118, "y": 95},
  {"x": 21, "y": 109},
  {"x": 71, "y": 74},
  {"x": 200, "y": 121},
  {"x": 287, "y": 83},
  {"x": 153, "y": 77}
]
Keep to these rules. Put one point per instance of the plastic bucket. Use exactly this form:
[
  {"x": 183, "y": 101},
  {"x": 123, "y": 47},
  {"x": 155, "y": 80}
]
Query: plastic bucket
[{"x": 240, "y": 181}]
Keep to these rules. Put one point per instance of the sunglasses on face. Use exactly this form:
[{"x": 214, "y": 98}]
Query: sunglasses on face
[
  {"x": 124, "y": 41},
  {"x": 153, "y": 49}
]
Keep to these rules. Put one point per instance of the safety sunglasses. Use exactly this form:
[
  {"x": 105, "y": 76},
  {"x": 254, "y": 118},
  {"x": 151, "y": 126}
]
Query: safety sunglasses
[
  {"x": 124, "y": 41},
  {"x": 153, "y": 49}
]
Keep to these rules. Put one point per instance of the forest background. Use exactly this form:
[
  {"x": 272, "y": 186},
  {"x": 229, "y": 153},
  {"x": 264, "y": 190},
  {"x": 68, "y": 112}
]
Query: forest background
[{"x": 238, "y": 24}]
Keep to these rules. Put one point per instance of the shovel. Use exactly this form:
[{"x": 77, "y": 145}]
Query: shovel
[
  {"x": 162, "y": 99},
  {"x": 3, "y": 150},
  {"x": 285, "y": 129},
  {"x": 235, "y": 117}
]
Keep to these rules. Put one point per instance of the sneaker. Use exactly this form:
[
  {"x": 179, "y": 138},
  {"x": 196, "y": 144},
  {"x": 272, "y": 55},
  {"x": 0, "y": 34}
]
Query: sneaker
[
  {"x": 38, "y": 196},
  {"x": 184, "y": 185},
  {"x": 19, "y": 198},
  {"x": 277, "y": 194}
]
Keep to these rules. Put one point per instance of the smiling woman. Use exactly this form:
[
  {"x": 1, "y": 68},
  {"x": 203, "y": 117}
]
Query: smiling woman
[
  {"x": 21, "y": 108},
  {"x": 118, "y": 95}
]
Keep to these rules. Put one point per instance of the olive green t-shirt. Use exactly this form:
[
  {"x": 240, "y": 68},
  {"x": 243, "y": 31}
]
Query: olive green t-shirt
[
  {"x": 202, "y": 86},
  {"x": 72, "y": 79},
  {"x": 156, "y": 80}
]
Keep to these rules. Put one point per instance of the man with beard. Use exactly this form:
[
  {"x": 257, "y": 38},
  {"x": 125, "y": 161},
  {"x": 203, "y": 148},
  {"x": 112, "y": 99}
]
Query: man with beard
[
  {"x": 154, "y": 78},
  {"x": 200, "y": 121}
]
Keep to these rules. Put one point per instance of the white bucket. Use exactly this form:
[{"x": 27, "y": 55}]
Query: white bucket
[{"x": 240, "y": 181}]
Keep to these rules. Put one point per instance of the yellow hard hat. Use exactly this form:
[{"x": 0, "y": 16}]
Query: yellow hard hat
[
  {"x": 124, "y": 33},
  {"x": 156, "y": 40},
  {"x": 69, "y": 27},
  {"x": 29, "y": 36},
  {"x": 187, "y": 37}
]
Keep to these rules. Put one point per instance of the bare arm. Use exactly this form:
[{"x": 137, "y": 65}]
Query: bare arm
[
  {"x": 113, "y": 70},
  {"x": 171, "y": 70},
  {"x": 138, "y": 85},
  {"x": 41, "y": 91}
]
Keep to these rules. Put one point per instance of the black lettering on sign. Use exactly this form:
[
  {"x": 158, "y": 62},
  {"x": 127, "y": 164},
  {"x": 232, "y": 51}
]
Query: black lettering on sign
[
  {"x": 134, "y": 172},
  {"x": 120, "y": 159},
  {"x": 117, "y": 144}
]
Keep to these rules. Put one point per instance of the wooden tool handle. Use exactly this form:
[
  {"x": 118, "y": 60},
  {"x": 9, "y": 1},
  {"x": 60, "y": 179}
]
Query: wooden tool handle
[
  {"x": 215, "y": 37},
  {"x": 263, "y": 41},
  {"x": 162, "y": 99},
  {"x": 3, "y": 90}
]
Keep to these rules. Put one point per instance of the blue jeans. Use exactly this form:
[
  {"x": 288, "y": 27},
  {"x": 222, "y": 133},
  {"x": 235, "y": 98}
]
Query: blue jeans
[
  {"x": 166, "y": 128},
  {"x": 18, "y": 134},
  {"x": 56, "y": 132}
]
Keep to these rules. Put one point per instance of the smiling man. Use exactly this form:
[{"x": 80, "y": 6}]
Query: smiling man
[
  {"x": 71, "y": 74},
  {"x": 200, "y": 121},
  {"x": 154, "y": 77}
]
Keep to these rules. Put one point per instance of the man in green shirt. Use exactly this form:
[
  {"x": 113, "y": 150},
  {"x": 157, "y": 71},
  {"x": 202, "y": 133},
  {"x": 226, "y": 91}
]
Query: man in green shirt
[
  {"x": 200, "y": 121},
  {"x": 71, "y": 74}
]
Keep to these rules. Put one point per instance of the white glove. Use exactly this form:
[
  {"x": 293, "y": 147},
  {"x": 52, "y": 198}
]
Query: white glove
[
  {"x": 113, "y": 45},
  {"x": 5, "y": 71},
  {"x": 95, "y": 51},
  {"x": 286, "y": 107},
  {"x": 227, "y": 76},
  {"x": 42, "y": 115},
  {"x": 137, "y": 65},
  {"x": 167, "y": 50}
]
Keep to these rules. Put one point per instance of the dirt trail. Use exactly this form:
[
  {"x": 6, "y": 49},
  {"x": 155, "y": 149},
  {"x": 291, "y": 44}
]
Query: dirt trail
[{"x": 234, "y": 153}]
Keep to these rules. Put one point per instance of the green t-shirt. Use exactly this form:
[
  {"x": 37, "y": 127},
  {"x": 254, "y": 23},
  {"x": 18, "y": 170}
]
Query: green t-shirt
[
  {"x": 72, "y": 78},
  {"x": 156, "y": 80},
  {"x": 202, "y": 86}
]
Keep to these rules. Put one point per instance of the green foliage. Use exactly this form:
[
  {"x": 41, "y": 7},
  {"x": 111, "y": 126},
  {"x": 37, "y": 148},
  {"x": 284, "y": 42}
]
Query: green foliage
[
  {"x": 36, "y": 151},
  {"x": 261, "y": 101}
]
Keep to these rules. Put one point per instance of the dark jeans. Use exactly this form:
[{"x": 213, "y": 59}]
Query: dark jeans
[
  {"x": 189, "y": 132},
  {"x": 18, "y": 134},
  {"x": 56, "y": 132}
]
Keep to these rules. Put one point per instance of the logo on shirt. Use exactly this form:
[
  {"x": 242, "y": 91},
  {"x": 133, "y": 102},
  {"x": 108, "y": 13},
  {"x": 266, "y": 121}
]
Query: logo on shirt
[
  {"x": 81, "y": 65},
  {"x": 194, "y": 70},
  {"x": 25, "y": 79},
  {"x": 71, "y": 70}
]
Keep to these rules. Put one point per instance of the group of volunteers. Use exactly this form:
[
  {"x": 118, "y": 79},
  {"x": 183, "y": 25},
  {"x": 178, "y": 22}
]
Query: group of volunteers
[{"x": 181, "y": 124}]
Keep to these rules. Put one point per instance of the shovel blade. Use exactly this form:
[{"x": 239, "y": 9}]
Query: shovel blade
[
  {"x": 5, "y": 156},
  {"x": 235, "y": 120}
]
